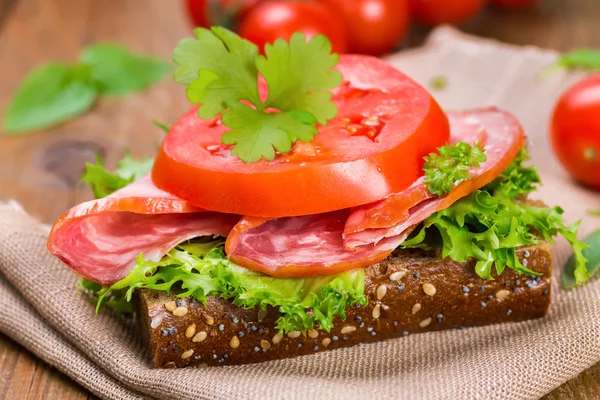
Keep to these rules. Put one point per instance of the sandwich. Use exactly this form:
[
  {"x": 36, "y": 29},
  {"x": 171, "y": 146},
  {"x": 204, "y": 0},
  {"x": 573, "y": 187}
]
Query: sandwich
[{"x": 310, "y": 201}]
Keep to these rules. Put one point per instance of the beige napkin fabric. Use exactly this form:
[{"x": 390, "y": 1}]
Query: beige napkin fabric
[{"x": 40, "y": 308}]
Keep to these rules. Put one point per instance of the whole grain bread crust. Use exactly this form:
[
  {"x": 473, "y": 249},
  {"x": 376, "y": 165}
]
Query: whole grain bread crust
[{"x": 410, "y": 292}]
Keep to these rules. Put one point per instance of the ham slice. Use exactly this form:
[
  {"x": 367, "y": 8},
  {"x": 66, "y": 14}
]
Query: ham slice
[
  {"x": 347, "y": 239},
  {"x": 299, "y": 246},
  {"x": 101, "y": 239}
]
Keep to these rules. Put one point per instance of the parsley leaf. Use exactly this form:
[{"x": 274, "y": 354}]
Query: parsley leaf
[
  {"x": 256, "y": 134},
  {"x": 115, "y": 70},
  {"x": 300, "y": 74},
  {"x": 222, "y": 71},
  {"x": 451, "y": 166},
  {"x": 49, "y": 95},
  {"x": 103, "y": 182},
  {"x": 517, "y": 180}
]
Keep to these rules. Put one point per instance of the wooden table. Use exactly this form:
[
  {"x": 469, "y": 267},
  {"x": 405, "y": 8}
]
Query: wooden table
[{"x": 42, "y": 170}]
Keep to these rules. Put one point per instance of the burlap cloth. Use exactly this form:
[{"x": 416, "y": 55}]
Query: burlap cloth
[{"x": 40, "y": 308}]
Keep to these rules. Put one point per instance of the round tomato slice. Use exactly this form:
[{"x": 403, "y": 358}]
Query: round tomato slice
[{"x": 375, "y": 147}]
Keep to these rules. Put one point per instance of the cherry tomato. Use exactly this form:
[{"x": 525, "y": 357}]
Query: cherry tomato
[
  {"x": 436, "y": 12},
  {"x": 272, "y": 20},
  {"x": 228, "y": 13},
  {"x": 513, "y": 3},
  {"x": 386, "y": 124},
  {"x": 374, "y": 27},
  {"x": 575, "y": 131}
]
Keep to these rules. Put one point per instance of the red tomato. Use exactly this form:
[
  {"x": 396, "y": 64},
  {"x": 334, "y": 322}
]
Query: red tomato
[
  {"x": 375, "y": 147},
  {"x": 272, "y": 20},
  {"x": 436, "y": 12},
  {"x": 575, "y": 131},
  {"x": 374, "y": 26},
  {"x": 228, "y": 13},
  {"x": 513, "y": 3}
]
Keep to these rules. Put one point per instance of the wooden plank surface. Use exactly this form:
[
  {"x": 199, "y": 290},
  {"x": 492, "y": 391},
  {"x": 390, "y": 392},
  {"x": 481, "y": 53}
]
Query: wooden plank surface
[{"x": 42, "y": 170}]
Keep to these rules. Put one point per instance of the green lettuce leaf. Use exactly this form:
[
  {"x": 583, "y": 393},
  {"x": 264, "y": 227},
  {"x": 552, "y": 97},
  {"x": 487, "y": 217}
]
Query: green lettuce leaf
[
  {"x": 201, "y": 269},
  {"x": 517, "y": 180},
  {"x": 115, "y": 300},
  {"x": 481, "y": 227},
  {"x": 489, "y": 227},
  {"x": 103, "y": 182}
]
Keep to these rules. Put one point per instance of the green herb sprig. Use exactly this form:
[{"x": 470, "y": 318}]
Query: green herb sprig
[
  {"x": 221, "y": 71},
  {"x": 56, "y": 92},
  {"x": 488, "y": 227},
  {"x": 451, "y": 165},
  {"x": 518, "y": 180}
]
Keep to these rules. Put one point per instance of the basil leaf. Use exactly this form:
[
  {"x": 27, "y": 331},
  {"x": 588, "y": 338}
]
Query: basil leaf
[
  {"x": 592, "y": 253},
  {"x": 50, "y": 94},
  {"x": 116, "y": 71}
]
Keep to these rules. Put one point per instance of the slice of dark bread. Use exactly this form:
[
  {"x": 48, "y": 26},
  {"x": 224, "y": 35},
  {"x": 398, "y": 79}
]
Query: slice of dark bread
[{"x": 410, "y": 292}]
